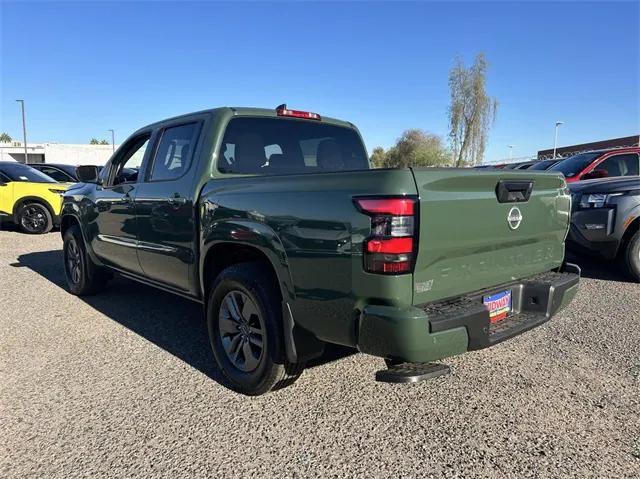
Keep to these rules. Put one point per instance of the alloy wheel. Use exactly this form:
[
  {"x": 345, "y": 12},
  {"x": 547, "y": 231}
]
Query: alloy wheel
[
  {"x": 242, "y": 330},
  {"x": 74, "y": 261},
  {"x": 33, "y": 219}
]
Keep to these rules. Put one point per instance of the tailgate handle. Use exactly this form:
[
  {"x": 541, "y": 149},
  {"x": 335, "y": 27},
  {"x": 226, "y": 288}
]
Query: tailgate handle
[{"x": 514, "y": 191}]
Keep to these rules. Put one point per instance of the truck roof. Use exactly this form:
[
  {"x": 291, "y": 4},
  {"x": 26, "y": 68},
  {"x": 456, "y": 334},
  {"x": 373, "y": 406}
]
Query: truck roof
[{"x": 250, "y": 111}]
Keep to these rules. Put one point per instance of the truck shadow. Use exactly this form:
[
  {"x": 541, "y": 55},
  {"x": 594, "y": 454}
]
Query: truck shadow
[
  {"x": 170, "y": 322},
  {"x": 596, "y": 268}
]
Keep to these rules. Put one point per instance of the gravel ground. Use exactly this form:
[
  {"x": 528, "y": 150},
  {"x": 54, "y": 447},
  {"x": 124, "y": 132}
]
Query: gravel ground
[{"x": 123, "y": 384}]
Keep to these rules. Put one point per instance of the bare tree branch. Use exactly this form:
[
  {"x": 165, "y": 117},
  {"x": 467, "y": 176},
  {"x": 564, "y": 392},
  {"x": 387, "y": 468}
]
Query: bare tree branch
[{"x": 471, "y": 113}]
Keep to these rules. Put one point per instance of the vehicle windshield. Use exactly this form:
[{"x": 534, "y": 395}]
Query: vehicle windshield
[
  {"x": 542, "y": 165},
  {"x": 69, "y": 169},
  {"x": 268, "y": 146},
  {"x": 20, "y": 172},
  {"x": 573, "y": 165}
]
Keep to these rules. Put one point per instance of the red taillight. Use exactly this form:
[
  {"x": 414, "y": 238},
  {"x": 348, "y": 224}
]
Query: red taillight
[
  {"x": 387, "y": 206},
  {"x": 393, "y": 245},
  {"x": 397, "y": 268},
  {"x": 298, "y": 114},
  {"x": 390, "y": 247}
]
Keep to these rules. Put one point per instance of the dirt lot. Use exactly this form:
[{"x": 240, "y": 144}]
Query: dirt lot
[{"x": 123, "y": 384}]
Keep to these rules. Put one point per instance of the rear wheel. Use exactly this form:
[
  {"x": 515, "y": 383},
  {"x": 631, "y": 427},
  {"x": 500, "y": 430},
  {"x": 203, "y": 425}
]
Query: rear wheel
[
  {"x": 245, "y": 330},
  {"x": 34, "y": 218},
  {"x": 632, "y": 256},
  {"x": 83, "y": 276}
]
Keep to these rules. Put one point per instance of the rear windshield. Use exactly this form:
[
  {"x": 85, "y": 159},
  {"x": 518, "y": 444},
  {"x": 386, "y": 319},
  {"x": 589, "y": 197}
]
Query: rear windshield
[
  {"x": 20, "y": 172},
  {"x": 573, "y": 165},
  {"x": 274, "y": 146}
]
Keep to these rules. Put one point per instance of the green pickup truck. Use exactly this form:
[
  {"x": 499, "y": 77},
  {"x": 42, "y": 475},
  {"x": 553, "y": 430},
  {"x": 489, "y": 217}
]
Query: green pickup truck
[{"x": 275, "y": 222}]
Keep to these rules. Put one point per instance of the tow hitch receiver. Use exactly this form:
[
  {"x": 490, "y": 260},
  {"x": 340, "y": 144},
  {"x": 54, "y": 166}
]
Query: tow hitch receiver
[{"x": 411, "y": 372}]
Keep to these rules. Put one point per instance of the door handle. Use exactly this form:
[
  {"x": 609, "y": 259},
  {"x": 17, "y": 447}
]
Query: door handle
[{"x": 177, "y": 201}]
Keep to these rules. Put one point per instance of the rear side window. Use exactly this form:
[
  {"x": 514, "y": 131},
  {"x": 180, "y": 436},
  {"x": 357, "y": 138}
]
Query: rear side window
[
  {"x": 174, "y": 152},
  {"x": 275, "y": 146},
  {"x": 55, "y": 174},
  {"x": 620, "y": 165}
]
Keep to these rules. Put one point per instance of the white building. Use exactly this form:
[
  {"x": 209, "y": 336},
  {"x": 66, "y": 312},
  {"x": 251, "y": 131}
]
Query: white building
[{"x": 56, "y": 153}]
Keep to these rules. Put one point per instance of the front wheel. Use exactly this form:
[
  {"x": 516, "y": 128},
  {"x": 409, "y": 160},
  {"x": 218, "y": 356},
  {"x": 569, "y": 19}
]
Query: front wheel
[
  {"x": 83, "y": 276},
  {"x": 245, "y": 330},
  {"x": 34, "y": 218},
  {"x": 632, "y": 256}
]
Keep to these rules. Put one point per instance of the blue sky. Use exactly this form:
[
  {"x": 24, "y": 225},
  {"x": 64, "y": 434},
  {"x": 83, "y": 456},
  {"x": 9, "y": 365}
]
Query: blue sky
[{"x": 85, "y": 68}]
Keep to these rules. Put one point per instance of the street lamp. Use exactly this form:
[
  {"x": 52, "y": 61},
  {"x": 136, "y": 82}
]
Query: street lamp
[
  {"x": 555, "y": 143},
  {"x": 24, "y": 132},
  {"x": 510, "y": 151},
  {"x": 113, "y": 141}
]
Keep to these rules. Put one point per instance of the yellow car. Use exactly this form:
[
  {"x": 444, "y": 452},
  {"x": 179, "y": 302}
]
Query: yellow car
[{"x": 29, "y": 198}]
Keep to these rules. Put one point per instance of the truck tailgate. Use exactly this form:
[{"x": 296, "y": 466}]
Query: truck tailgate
[{"x": 466, "y": 242}]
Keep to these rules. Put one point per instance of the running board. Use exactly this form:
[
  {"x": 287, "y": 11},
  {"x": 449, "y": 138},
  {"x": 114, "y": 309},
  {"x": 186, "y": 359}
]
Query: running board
[{"x": 411, "y": 372}]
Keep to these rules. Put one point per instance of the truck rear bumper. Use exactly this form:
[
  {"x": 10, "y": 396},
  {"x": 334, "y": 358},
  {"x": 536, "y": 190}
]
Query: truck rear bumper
[{"x": 447, "y": 328}]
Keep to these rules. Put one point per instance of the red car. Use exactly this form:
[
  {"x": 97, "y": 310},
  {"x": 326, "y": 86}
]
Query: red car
[{"x": 600, "y": 164}]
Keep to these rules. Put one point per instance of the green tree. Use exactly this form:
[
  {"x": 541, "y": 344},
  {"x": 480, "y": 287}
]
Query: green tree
[
  {"x": 472, "y": 111},
  {"x": 94, "y": 141},
  {"x": 416, "y": 148},
  {"x": 377, "y": 157},
  {"x": 5, "y": 137},
  {"x": 104, "y": 142}
]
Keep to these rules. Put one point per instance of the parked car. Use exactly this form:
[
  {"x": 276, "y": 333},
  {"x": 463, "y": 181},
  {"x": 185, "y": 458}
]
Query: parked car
[
  {"x": 542, "y": 165},
  {"x": 69, "y": 173},
  {"x": 525, "y": 165},
  {"x": 60, "y": 172},
  {"x": 600, "y": 164},
  {"x": 274, "y": 221},
  {"x": 606, "y": 220},
  {"x": 29, "y": 198},
  {"x": 514, "y": 166}
]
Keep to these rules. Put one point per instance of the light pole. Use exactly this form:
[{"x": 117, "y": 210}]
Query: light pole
[
  {"x": 510, "y": 151},
  {"x": 24, "y": 132},
  {"x": 555, "y": 142},
  {"x": 113, "y": 141}
]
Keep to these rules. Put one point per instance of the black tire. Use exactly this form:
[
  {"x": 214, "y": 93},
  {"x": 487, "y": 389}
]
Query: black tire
[
  {"x": 83, "y": 276},
  {"x": 631, "y": 256},
  {"x": 34, "y": 218},
  {"x": 263, "y": 366}
]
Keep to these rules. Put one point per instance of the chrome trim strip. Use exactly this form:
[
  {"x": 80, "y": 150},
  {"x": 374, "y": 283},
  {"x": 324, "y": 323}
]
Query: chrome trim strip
[
  {"x": 131, "y": 243},
  {"x": 156, "y": 247}
]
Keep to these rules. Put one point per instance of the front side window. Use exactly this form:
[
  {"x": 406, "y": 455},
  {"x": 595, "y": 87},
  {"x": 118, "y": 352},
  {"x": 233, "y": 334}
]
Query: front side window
[
  {"x": 125, "y": 168},
  {"x": 620, "y": 165},
  {"x": 174, "y": 153},
  {"x": 20, "y": 172},
  {"x": 268, "y": 146}
]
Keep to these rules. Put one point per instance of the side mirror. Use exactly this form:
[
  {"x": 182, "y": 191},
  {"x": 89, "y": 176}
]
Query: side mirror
[
  {"x": 592, "y": 175},
  {"x": 87, "y": 174}
]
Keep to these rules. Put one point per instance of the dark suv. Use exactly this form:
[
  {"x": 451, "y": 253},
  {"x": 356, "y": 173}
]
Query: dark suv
[{"x": 606, "y": 220}]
